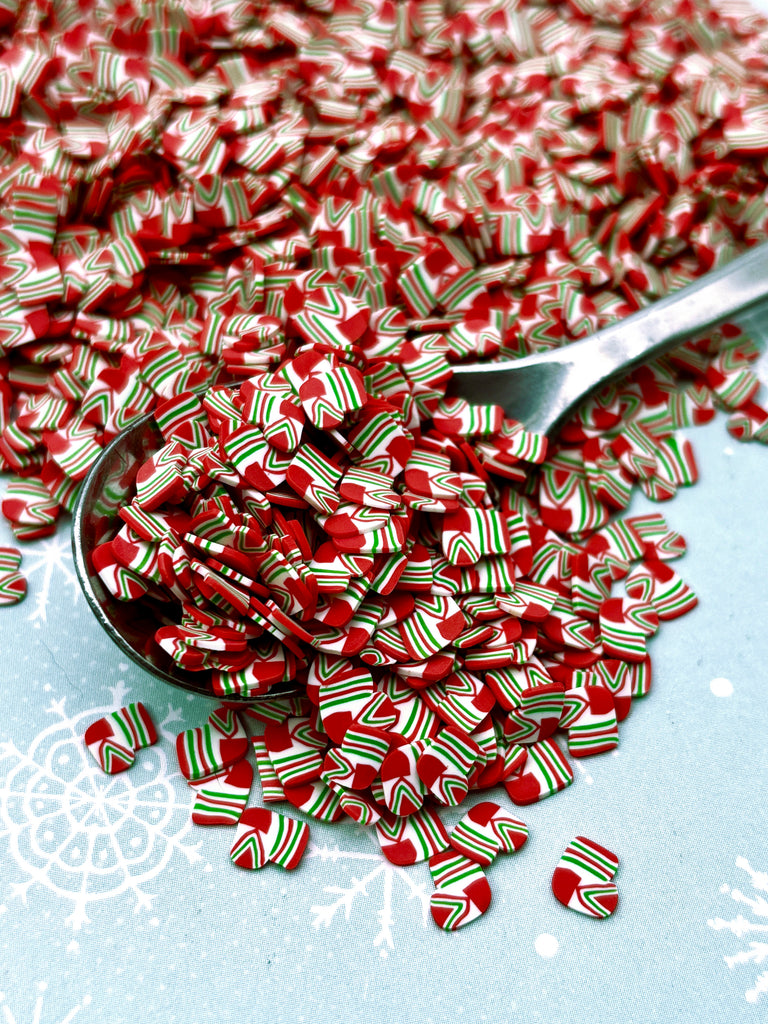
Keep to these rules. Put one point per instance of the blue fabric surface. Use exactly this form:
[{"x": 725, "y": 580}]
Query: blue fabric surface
[{"x": 113, "y": 907}]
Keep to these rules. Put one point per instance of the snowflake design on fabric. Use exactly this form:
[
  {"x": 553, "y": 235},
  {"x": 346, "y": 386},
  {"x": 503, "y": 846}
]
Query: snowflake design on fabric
[
  {"x": 49, "y": 559},
  {"x": 38, "y": 1016},
  {"x": 84, "y": 835},
  {"x": 345, "y": 896},
  {"x": 741, "y": 926}
]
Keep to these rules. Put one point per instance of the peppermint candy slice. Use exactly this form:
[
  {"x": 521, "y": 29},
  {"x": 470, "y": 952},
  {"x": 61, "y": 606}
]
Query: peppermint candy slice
[
  {"x": 462, "y": 893},
  {"x": 545, "y": 772},
  {"x": 208, "y": 750},
  {"x": 13, "y": 588},
  {"x": 367, "y": 487},
  {"x": 583, "y": 877},
  {"x": 221, "y": 799},
  {"x": 264, "y": 836},
  {"x": 411, "y": 839},
  {"x": 487, "y": 830}
]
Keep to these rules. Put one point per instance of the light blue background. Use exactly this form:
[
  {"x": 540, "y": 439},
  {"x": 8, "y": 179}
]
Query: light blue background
[{"x": 197, "y": 940}]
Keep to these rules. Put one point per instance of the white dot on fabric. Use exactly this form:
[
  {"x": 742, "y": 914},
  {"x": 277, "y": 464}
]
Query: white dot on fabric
[
  {"x": 721, "y": 687},
  {"x": 546, "y": 945}
]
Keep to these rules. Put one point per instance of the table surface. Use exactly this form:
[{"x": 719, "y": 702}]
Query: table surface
[{"x": 115, "y": 908}]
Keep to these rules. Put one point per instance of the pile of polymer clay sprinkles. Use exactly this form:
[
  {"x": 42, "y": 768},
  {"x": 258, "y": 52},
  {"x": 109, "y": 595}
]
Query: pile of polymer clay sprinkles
[{"x": 332, "y": 204}]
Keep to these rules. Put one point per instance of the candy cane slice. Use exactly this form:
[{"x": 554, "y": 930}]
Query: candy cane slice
[
  {"x": 289, "y": 843},
  {"x": 28, "y": 504},
  {"x": 349, "y": 520},
  {"x": 489, "y": 576},
  {"x": 411, "y": 839},
  {"x": 420, "y": 674},
  {"x": 566, "y": 501},
  {"x": 342, "y": 691},
  {"x": 544, "y": 773},
  {"x": 134, "y": 726},
  {"x": 462, "y": 893},
  {"x": 583, "y": 877},
  {"x": 221, "y": 799},
  {"x": 112, "y": 752},
  {"x": 160, "y": 480},
  {"x": 414, "y": 719},
  {"x": 13, "y": 588},
  {"x": 367, "y": 487},
  {"x": 514, "y": 441},
  {"x": 447, "y": 764},
  {"x": 10, "y": 560},
  {"x": 296, "y": 750},
  {"x": 250, "y": 454},
  {"x": 606, "y": 477},
  {"x": 387, "y": 540},
  {"x": 624, "y": 627},
  {"x": 485, "y": 831},
  {"x": 655, "y": 582},
  {"x": 122, "y": 583},
  {"x": 353, "y": 638},
  {"x": 589, "y": 714},
  {"x": 461, "y": 700},
  {"x": 435, "y": 623},
  {"x": 264, "y": 835},
  {"x": 271, "y": 664},
  {"x": 271, "y": 788},
  {"x": 360, "y": 808},
  {"x": 527, "y": 601},
  {"x": 403, "y": 790},
  {"x": 382, "y": 442},
  {"x": 209, "y": 749},
  {"x": 472, "y": 533},
  {"x": 315, "y": 478},
  {"x": 537, "y": 714},
  {"x": 635, "y": 449},
  {"x": 330, "y": 392},
  {"x": 657, "y": 539},
  {"x": 429, "y": 474},
  {"x": 489, "y": 768},
  {"x": 569, "y": 630},
  {"x": 515, "y": 756},
  {"x": 272, "y": 407},
  {"x": 502, "y": 652},
  {"x": 617, "y": 675},
  {"x": 356, "y": 763},
  {"x": 317, "y": 799},
  {"x": 591, "y": 583}
]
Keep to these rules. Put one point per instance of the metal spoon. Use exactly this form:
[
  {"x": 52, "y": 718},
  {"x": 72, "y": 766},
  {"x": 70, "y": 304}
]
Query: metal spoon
[{"x": 541, "y": 391}]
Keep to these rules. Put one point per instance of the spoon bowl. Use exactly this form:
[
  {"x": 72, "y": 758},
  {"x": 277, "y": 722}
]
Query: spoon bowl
[
  {"x": 540, "y": 391},
  {"x": 131, "y": 625}
]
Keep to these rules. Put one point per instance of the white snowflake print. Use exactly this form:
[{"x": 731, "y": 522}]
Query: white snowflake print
[
  {"x": 84, "y": 835},
  {"x": 46, "y": 564},
  {"x": 42, "y": 563},
  {"x": 38, "y": 1011},
  {"x": 381, "y": 870},
  {"x": 757, "y": 952}
]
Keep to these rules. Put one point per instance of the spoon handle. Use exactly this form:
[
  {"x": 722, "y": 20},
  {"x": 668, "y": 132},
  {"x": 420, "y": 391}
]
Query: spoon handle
[
  {"x": 722, "y": 294},
  {"x": 542, "y": 389}
]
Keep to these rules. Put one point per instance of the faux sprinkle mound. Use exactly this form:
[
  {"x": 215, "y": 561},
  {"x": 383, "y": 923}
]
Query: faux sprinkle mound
[{"x": 332, "y": 204}]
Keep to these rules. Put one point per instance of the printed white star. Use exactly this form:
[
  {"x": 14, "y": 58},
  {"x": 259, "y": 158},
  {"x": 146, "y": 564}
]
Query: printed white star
[
  {"x": 380, "y": 868},
  {"x": 757, "y": 952},
  {"x": 84, "y": 835}
]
